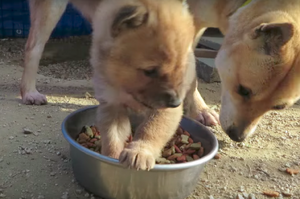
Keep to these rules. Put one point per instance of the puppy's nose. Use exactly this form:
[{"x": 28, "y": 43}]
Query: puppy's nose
[
  {"x": 234, "y": 134},
  {"x": 172, "y": 100}
]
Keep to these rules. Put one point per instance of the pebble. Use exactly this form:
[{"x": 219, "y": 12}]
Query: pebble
[
  {"x": 251, "y": 196},
  {"x": 239, "y": 196},
  {"x": 58, "y": 153},
  {"x": 27, "y": 131},
  {"x": 11, "y": 137},
  {"x": 78, "y": 191},
  {"x": 40, "y": 197},
  {"x": 242, "y": 189},
  {"x": 47, "y": 141},
  {"x": 2, "y": 195},
  {"x": 287, "y": 194},
  {"x": 282, "y": 169},
  {"x": 211, "y": 197},
  {"x": 65, "y": 195},
  {"x": 87, "y": 195},
  {"x": 52, "y": 174}
]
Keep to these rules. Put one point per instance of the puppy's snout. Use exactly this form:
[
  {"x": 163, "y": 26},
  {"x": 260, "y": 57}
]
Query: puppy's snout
[
  {"x": 234, "y": 133},
  {"x": 171, "y": 99}
]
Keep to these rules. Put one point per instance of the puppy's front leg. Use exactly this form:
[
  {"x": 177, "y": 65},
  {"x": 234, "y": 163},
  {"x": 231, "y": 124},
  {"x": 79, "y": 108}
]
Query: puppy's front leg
[
  {"x": 150, "y": 138},
  {"x": 196, "y": 108},
  {"x": 114, "y": 126}
]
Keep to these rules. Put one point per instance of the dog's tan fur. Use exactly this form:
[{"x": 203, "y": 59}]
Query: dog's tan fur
[
  {"x": 260, "y": 53},
  {"x": 154, "y": 34}
]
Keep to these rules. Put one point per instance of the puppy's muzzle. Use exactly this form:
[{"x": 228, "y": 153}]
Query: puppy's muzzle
[{"x": 171, "y": 99}]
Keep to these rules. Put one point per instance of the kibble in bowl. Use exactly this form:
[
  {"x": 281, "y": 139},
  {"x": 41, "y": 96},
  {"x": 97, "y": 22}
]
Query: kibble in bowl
[
  {"x": 180, "y": 149},
  {"x": 174, "y": 177}
]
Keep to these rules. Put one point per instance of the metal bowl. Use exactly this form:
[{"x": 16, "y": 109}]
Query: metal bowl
[{"x": 107, "y": 178}]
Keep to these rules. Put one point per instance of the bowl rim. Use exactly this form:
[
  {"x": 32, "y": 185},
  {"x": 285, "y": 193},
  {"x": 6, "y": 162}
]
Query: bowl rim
[{"x": 157, "y": 167}]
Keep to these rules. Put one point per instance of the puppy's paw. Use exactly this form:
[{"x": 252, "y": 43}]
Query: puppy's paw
[
  {"x": 34, "y": 98},
  {"x": 208, "y": 117},
  {"x": 137, "y": 156},
  {"x": 112, "y": 151}
]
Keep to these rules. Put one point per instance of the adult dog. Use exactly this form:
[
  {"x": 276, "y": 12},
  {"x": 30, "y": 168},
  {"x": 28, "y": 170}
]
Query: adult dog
[{"x": 258, "y": 63}]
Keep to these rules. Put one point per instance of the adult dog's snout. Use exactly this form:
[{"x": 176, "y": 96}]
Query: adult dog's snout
[{"x": 235, "y": 134}]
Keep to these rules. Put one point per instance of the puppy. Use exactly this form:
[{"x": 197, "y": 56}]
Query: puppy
[
  {"x": 258, "y": 62},
  {"x": 143, "y": 61},
  {"x": 44, "y": 16}
]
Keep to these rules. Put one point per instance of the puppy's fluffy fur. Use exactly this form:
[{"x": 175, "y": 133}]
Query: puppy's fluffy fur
[{"x": 143, "y": 61}]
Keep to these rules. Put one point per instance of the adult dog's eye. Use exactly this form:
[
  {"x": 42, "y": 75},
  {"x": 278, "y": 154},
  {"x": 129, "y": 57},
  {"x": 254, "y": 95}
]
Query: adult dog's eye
[
  {"x": 279, "y": 107},
  {"x": 244, "y": 92},
  {"x": 151, "y": 73}
]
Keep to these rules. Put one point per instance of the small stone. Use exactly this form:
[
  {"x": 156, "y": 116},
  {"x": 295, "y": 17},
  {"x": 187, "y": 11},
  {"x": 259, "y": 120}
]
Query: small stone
[
  {"x": 11, "y": 137},
  {"x": 242, "y": 189},
  {"x": 86, "y": 195},
  {"x": 2, "y": 195},
  {"x": 52, "y": 174},
  {"x": 65, "y": 195},
  {"x": 245, "y": 195},
  {"x": 40, "y": 197},
  {"x": 1, "y": 159},
  {"x": 282, "y": 169},
  {"x": 27, "y": 131},
  {"x": 78, "y": 191},
  {"x": 58, "y": 153},
  {"x": 47, "y": 141},
  {"x": 49, "y": 116},
  {"x": 251, "y": 196},
  {"x": 210, "y": 197},
  {"x": 286, "y": 194},
  {"x": 239, "y": 196}
]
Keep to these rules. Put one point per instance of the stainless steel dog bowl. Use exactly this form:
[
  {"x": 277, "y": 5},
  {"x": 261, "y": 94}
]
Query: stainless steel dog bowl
[{"x": 105, "y": 177}]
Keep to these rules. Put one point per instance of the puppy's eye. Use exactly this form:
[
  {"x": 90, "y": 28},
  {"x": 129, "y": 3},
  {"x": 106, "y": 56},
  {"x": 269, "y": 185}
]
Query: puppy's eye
[
  {"x": 244, "y": 92},
  {"x": 151, "y": 73},
  {"x": 279, "y": 107}
]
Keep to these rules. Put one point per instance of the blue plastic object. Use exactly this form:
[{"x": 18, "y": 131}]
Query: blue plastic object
[{"x": 15, "y": 21}]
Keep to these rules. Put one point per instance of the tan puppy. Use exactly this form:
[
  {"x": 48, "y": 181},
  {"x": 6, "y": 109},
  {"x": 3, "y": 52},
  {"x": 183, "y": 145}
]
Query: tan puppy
[
  {"x": 44, "y": 16},
  {"x": 259, "y": 61},
  {"x": 143, "y": 61}
]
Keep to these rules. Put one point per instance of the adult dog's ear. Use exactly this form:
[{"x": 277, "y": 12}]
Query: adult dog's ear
[
  {"x": 129, "y": 17},
  {"x": 273, "y": 36}
]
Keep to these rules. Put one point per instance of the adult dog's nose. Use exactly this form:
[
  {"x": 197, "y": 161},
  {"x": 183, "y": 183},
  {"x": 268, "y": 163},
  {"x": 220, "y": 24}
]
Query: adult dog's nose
[{"x": 235, "y": 134}]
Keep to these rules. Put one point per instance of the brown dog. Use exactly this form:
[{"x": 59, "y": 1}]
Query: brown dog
[
  {"x": 44, "y": 16},
  {"x": 142, "y": 56},
  {"x": 258, "y": 62}
]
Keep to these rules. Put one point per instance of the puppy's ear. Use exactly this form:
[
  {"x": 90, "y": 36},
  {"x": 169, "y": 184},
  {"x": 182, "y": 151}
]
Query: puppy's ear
[
  {"x": 129, "y": 17},
  {"x": 273, "y": 35}
]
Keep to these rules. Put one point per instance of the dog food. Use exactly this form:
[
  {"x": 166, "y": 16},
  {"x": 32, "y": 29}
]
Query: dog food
[
  {"x": 270, "y": 193},
  {"x": 181, "y": 148},
  {"x": 292, "y": 171}
]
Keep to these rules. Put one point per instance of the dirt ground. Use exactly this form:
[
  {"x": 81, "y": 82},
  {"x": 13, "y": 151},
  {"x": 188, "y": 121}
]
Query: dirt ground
[{"x": 37, "y": 165}]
